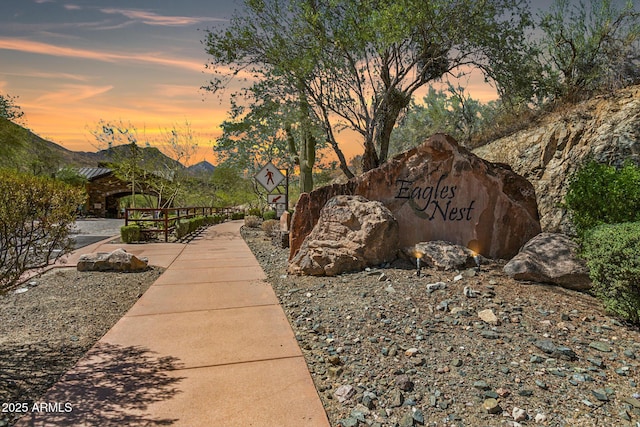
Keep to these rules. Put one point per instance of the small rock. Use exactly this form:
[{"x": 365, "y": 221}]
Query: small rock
[
  {"x": 493, "y": 335},
  {"x": 456, "y": 363},
  {"x": 540, "y": 418},
  {"x": 411, "y": 352},
  {"x": 492, "y": 406},
  {"x": 470, "y": 293},
  {"x": 545, "y": 345},
  {"x": 632, "y": 401},
  {"x": 600, "y": 346},
  {"x": 542, "y": 384},
  {"x": 404, "y": 383},
  {"x": 600, "y": 394},
  {"x": 397, "y": 399},
  {"x": 431, "y": 287},
  {"x": 418, "y": 416},
  {"x": 383, "y": 278},
  {"x": 488, "y": 316},
  {"x": 481, "y": 385},
  {"x": 457, "y": 278},
  {"x": 349, "y": 422},
  {"x": 407, "y": 420},
  {"x": 503, "y": 392},
  {"x": 344, "y": 393},
  {"x": 565, "y": 353},
  {"x": 519, "y": 414},
  {"x": 335, "y": 371}
]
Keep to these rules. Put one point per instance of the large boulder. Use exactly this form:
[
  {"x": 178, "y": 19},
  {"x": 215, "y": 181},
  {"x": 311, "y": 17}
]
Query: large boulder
[
  {"x": 439, "y": 191},
  {"x": 351, "y": 233},
  {"x": 118, "y": 260},
  {"x": 550, "y": 258},
  {"x": 605, "y": 128}
]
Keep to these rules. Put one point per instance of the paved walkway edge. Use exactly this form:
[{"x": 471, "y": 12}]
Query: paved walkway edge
[{"x": 207, "y": 345}]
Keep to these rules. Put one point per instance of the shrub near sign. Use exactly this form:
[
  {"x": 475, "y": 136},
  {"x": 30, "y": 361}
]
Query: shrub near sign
[{"x": 439, "y": 191}]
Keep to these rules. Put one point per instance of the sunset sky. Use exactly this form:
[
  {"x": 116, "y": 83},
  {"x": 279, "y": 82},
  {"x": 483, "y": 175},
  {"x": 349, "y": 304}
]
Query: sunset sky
[{"x": 72, "y": 63}]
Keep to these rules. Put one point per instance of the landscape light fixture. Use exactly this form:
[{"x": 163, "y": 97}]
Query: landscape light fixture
[{"x": 418, "y": 256}]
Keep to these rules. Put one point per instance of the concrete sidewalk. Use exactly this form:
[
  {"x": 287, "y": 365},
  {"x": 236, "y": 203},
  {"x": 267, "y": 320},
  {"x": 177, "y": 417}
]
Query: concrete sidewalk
[{"x": 207, "y": 345}]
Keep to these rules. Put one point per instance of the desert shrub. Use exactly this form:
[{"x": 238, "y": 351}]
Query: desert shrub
[
  {"x": 268, "y": 215},
  {"x": 271, "y": 227},
  {"x": 252, "y": 221},
  {"x": 613, "y": 257},
  {"x": 237, "y": 215},
  {"x": 602, "y": 194},
  {"x": 255, "y": 212},
  {"x": 36, "y": 214},
  {"x": 130, "y": 233}
]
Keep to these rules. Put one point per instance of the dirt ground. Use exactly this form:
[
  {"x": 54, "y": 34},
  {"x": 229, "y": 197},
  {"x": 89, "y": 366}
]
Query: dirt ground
[
  {"x": 383, "y": 348},
  {"x": 48, "y": 323}
]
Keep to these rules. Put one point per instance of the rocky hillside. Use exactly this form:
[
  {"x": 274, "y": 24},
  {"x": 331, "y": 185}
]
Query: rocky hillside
[
  {"x": 606, "y": 128},
  {"x": 23, "y": 150}
]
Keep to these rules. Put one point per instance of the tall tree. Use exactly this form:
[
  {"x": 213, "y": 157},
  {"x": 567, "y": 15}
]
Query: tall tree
[
  {"x": 590, "y": 47},
  {"x": 360, "y": 61}
]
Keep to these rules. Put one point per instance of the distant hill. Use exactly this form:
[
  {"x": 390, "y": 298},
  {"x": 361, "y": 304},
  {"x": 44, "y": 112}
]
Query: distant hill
[
  {"x": 204, "y": 167},
  {"x": 23, "y": 150},
  {"x": 150, "y": 157}
]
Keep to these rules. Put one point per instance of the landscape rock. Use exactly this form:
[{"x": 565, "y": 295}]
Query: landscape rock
[
  {"x": 439, "y": 191},
  {"x": 550, "y": 258},
  {"x": 118, "y": 260},
  {"x": 442, "y": 255},
  {"x": 352, "y": 233},
  {"x": 605, "y": 128}
]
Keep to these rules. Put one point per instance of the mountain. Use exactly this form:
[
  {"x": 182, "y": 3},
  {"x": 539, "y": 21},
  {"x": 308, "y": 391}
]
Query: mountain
[
  {"x": 23, "y": 150},
  {"x": 204, "y": 167},
  {"x": 150, "y": 157}
]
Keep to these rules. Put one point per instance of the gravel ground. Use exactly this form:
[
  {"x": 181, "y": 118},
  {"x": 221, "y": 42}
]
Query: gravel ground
[
  {"x": 386, "y": 349},
  {"x": 50, "y": 322}
]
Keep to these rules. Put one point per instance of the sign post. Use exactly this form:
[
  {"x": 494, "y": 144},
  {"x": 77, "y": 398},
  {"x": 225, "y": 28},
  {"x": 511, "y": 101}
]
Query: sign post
[{"x": 270, "y": 178}]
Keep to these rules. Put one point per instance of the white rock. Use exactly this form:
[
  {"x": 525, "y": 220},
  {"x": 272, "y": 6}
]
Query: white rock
[
  {"x": 540, "y": 418},
  {"x": 519, "y": 414},
  {"x": 457, "y": 278},
  {"x": 344, "y": 393}
]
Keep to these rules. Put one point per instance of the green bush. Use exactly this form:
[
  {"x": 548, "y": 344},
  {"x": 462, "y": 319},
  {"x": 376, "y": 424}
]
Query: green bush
[
  {"x": 237, "y": 215},
  {"x": 130, "y": 233},
  {"x": 602, "y": 194},
  {"x": 269, "y": 215},
  {"x": 255, "y": 212},
  {"x": 36, "y": 214},
  {"x": 613, "y": 257},
  {"x": 218, "y": 218}
]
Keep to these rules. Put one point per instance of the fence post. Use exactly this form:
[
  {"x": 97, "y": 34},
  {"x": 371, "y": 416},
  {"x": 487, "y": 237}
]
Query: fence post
[
  {"x": 165, "y": 212},
  {"x": 126, "y": 217}
]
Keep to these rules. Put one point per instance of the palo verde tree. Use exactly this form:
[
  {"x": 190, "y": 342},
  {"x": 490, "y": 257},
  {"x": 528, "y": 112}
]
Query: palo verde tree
[
  {"x": 589, "y": 47},
  {"x": 358, "y": 63}
]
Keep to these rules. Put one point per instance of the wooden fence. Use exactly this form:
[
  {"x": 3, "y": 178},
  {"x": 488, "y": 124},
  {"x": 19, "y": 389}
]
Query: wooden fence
[{"x": 164, "y": 219}]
